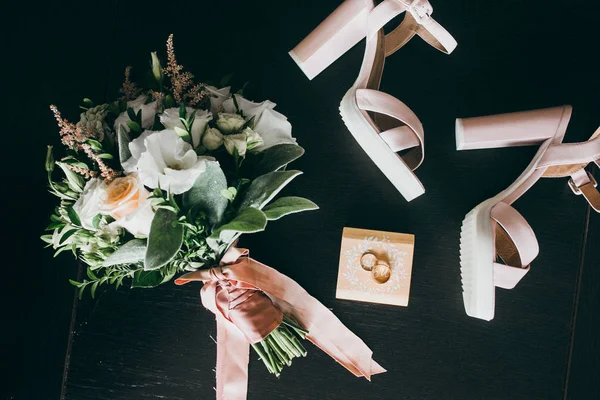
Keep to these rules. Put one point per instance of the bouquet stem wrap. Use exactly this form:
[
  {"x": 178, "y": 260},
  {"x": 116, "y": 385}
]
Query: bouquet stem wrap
[{"x": 249, "y": 299}]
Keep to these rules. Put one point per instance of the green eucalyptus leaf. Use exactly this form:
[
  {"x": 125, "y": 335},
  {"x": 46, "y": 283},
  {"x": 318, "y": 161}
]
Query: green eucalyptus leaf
[
  {"x": 106, "y": 156},
  {"x": 93, "y": 289},
  {"x": 134, "y": 126},
  {"x": 273, "y": 158},
  {"x": 73, "y": 216},
  {"x": 205, "y": 195},
  {"x": 75, "y": 181},
  {"x": 64, "y": 238},
  {"x": 131, "y": 252},
  {"x": 164, "y": 240},
  {"x": 288, "y": 205},
  {"x": 250, "y": 220},
  {"x": 74, "y": 283},
  {"x": 264, "y": 188},
  {"x": 91, "y": 274},
  {"x": 94, "y": 144}
]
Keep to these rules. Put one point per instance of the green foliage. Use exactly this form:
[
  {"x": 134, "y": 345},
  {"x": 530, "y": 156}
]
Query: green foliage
[
  {"x": 288, "y": 205},
  {"x": 272, "y": 159},
  {"x": 123, "y": 144},
  {"x": 249, "y": 220},
  {"x": 205, "y": 195},
  {"x": 164, "y": 241},
  {"x": 131, "y": 252},
  {"x": 150, "y": 279},
  {"x": 264, "y": 188},
  {"x": 190, "y": 230}
]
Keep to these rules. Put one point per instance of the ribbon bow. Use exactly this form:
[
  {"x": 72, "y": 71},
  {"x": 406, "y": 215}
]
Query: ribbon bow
[{"x": 249, "y": 299}]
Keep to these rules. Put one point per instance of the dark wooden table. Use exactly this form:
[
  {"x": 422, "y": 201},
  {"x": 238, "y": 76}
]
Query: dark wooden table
[{"x": 156, "y": 344}]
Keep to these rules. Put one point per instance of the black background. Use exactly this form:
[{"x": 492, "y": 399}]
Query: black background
[{"x": 140, "y": 344}]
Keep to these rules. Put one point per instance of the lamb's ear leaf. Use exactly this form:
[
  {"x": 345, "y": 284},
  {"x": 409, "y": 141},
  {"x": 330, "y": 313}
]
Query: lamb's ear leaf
[
  {"x": 206, "y": 196},
  {"x": 249, "y": 220},
  {"x": 264, "y": 188},
  {"x": 288, "y": 205},
  {"x": 131, "y": 252},
  {"x": 164, "y": 241},
  {"x": 272, "y": 159}
]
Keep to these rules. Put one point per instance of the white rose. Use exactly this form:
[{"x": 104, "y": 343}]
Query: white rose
[
  {"x": 212, "y": 139},
  {"x": 89, "y": 204},
  {"x": 148, "y": 113},
  {"x": 127, "y": 202},
  {"x": 162, "y": 159},
  {"x": 235, "y": 142},
  {"x": 138, "y": 222},
  {"x": 217, "y": 97},
  {"x": 170, "y": 119},
  {"x": 272, "y": 126},
  {"x": 229, "y": 123}
]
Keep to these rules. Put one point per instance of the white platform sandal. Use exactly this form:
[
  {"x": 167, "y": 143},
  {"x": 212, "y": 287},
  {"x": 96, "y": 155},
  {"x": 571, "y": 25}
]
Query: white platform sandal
[
  {"x": 380, "y": 123},
  {"x": 494, "y": 229}
]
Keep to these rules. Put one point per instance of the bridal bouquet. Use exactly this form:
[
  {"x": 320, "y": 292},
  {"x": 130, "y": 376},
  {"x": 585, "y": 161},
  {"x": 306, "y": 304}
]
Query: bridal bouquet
[{"x": 163, "y": 181}]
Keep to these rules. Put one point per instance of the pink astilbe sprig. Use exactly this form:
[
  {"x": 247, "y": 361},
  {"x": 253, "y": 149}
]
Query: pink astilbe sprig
[
  {"x": 197, "y": 94},
  {"x": 129, "y": 89},
  {"x": 75, "y": 138},
  {"x": 180, "y": 80},
  {"x": 86, "y": 173}
]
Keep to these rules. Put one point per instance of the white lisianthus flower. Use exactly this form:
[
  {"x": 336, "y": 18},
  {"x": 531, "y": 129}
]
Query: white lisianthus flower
[
  {"x": 170, "y": 119},
  {"x": 272, "y": 126},
  {"x": 212, "y": 139},
  {"x": 235, "y": 143},
  {"x": 230, "y": 123},
  {"x": 148, "y": 113},
  {"x": 89, "y": 204},
  {"x": 162, "y": 159},
  {"x": 217, "y": 97}
]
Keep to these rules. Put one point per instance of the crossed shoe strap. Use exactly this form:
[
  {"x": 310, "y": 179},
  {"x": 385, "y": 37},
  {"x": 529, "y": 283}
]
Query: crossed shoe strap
[
  {"x": 515, "y": 243},
  {"x": 408, "y": 136},
  {"x": 571, "y": 159},
  {"x": 418, "y": 21}
]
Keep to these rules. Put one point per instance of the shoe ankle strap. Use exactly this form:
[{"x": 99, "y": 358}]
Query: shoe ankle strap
[
  {"x": 417, "y": 21},
  {"x": 583, "y": 183},
  {"x": 571, "y": 159}
]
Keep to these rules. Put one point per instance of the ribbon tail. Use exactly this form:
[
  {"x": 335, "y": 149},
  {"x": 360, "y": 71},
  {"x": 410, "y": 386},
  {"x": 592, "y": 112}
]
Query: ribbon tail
[
  {"x": 233, "y": 356},
  {"x": 347, "y": 348}
]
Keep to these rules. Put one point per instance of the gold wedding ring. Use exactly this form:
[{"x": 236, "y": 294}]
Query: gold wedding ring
[
  {"x": 381, "y": 272},
  {"x": 368, "y": 261}
]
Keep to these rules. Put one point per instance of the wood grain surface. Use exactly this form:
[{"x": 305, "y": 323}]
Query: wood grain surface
[{"x": 156, "y": 344}]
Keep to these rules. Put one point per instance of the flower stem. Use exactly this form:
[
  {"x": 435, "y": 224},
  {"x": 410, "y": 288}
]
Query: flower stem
[{"x": 281, "y": 346}]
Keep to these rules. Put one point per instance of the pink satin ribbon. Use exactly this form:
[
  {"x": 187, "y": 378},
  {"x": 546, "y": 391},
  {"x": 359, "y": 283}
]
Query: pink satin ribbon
[{"x": 236, "y": 292}]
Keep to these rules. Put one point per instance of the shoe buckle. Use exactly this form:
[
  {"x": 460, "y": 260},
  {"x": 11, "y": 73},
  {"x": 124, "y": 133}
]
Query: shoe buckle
[
  {"x": 419, "y": 9},
  {"x": 577, "y": 189}
]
